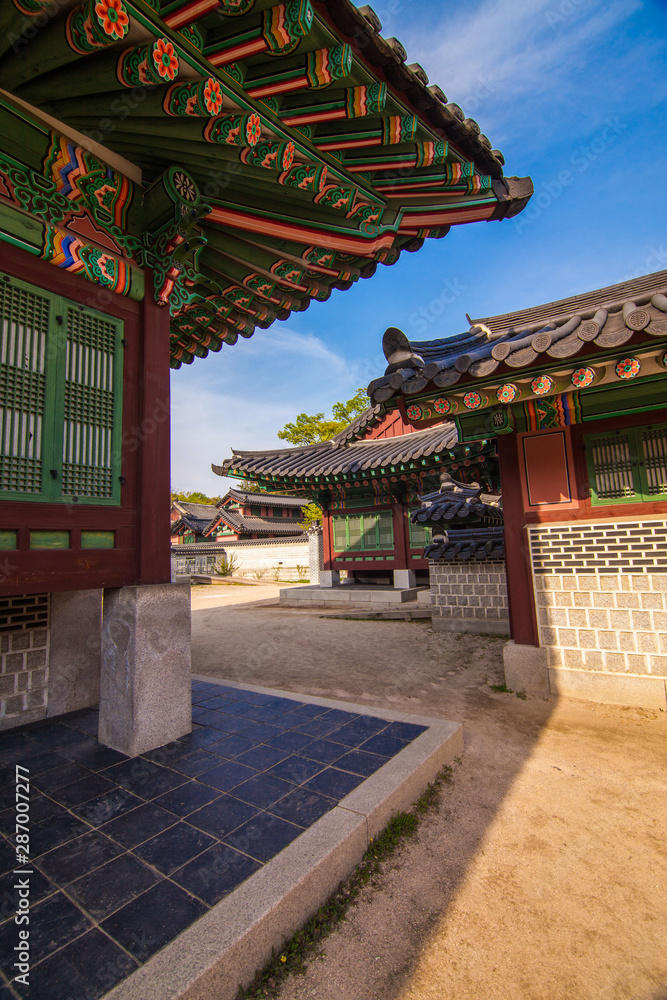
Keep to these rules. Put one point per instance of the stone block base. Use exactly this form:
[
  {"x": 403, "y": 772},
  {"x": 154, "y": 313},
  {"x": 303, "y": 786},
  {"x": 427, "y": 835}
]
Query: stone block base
[
  {"x": 74, "y": 660},
  {"x": 478, "y": 626},
  {"x": 145, "y": 698},
  {"x": 526, "y": 670},
  {"x": 610, "y": 689},
  {"x": 350, "y": 596}
]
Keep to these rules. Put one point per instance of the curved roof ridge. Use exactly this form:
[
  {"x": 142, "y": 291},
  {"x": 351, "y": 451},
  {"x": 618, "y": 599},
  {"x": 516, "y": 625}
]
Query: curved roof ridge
[{"x": 609, "y": 295}]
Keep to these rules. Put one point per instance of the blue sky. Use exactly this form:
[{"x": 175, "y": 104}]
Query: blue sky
[{"x": 574, "y": 92}]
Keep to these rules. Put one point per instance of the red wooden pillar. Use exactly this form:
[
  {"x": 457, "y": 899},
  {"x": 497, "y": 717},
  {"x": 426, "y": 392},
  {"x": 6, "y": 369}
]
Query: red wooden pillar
[
  {"x": 327, "y": 540},
  {"x": 154, "y": 435},
  {"x": 521, "y": 598},
  {"x": 401, "y": 549}
]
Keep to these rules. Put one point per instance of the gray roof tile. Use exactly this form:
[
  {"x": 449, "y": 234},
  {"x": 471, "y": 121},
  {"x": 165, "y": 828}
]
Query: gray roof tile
[{"x": 579, "y": 325}]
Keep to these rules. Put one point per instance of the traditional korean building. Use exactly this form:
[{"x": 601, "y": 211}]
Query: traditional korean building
[
  {"x": 368, "y": 479},
  {"x": 172, "y": 177},
  {"x": 192, "y": 522},
  {"x": 238, "y": 516},
  {"x": 245, "y": 516},
  {"x": 574, "y": 392}
]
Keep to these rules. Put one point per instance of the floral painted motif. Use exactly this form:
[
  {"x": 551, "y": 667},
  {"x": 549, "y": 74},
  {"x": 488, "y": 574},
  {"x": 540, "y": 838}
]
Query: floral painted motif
[
  {"x": 165, "y": 59},
  {"x": 472, "y": 400},
  {"x": 628, "y": 368},
  {"x": 442, "y": 405},
  {"x": 414, "y": 412},
  {"x": 288, "y": 156},
  {"x": 185, "y": 186},
  {"x": 542, "y": 385},
  {"x": 582, "y": 378},
  {"x": 507, "y": 393},
  {"x": 212, "y": 96},
  {"x": 113, "y": 18},
  {"x": 253, "y": 130}
]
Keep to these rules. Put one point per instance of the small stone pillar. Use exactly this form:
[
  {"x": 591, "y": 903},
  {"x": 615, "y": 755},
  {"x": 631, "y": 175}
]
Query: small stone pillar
[
  {"x": 315, "y": 554},
  {"x": 329, "y": 578},
  {"x": 145, "y": 696},
  {"x": 404, "y": 579},
  {"x": 74, "y": 658}
]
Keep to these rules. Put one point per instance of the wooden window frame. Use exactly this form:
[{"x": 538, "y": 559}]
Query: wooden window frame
[
  {"x": 376, "y": 515},
  {"x": 417, "y": 527},
  {"x": 638, "y": 466},
  {"x": 54, "y": 411}
]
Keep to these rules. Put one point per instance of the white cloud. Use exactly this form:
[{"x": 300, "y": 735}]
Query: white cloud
[
  {"x": 243, "y": 396},
  {"x": 498, "y": 59}
]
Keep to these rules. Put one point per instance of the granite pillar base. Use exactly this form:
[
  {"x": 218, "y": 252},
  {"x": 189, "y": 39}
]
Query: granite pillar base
[{"x": 145, "y": 698}]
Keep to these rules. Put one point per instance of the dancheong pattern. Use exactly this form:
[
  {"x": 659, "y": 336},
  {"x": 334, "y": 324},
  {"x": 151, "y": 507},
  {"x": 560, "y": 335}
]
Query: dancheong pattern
[
  {"x": 628, "y": 368},
  {"x": 96, "y": 24},
  {"x": 582, "y": 377},
  {"x": 507, "y": 393},
  {"x": 185, "y": 85},
  {"x": 561, "y": 410},
  {"x": 542, "y": 385},
  {"x": 148, "y": 65},
  {"x": 285, "y": 25},
  {"x": 472, "y": 400},
  {"x": 81, "y": 177},
  {"x": 199, "y": 98},
  {"x": 442, "y": 405}
]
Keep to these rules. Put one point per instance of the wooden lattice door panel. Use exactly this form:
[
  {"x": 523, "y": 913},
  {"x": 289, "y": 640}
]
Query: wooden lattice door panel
[
  {"x": 610, "y": 462},
  {"x": 25, "y": 318},
  {"x": 654, "y": 449},
  {"x": 628, "y": 465},
  {"x": 60, "y": 399},
  {"x": 90, "y": 404}
]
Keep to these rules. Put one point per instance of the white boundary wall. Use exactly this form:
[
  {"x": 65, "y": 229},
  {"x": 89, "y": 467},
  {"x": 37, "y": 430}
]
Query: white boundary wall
[{"x": 274, "y": 559}]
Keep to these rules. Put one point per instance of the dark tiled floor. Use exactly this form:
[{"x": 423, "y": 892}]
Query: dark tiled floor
[{"x": 127, "y": 853}]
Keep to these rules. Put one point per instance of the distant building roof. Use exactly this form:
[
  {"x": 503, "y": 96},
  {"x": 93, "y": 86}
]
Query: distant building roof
[
  {"x": 260, "y": 525},
  {"x": 197, "y": 517},
  {"x": 264, "y": 499},
  {"x": 340, "y": 456}
]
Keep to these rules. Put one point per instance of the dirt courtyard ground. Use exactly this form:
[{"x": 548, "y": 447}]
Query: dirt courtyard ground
[{"x": 542, "y": 875}]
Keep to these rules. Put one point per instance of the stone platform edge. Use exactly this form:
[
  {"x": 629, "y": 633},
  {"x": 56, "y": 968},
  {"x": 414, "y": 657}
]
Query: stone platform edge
[{"x": 229, "y": 944}]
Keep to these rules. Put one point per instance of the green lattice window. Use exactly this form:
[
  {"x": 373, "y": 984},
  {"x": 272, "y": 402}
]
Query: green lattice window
[
  {"x": 420, "y": 536},
  {"x": 60, "y": 398},
  {"x": 363, "y": 532},
  {"x": 629, "y": 465}
]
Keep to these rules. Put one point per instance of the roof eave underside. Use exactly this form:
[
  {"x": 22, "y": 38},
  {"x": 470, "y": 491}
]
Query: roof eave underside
[{"x": 243, "y": 264}]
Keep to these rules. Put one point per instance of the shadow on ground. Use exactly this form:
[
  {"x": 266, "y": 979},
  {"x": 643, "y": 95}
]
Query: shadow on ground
[{"x": 539, "y": 875}]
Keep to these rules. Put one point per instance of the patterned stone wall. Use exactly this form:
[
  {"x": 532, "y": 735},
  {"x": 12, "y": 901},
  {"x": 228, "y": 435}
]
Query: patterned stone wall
[
  {"x": 601, "y": 595},
  {"x": 24, "y": 655},
  {"x": 315, "y": 554},
  {"x": 469, "y": 596}
]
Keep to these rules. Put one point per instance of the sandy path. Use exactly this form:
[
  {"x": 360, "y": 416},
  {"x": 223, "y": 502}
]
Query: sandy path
[{"x": 542, "y": 876}]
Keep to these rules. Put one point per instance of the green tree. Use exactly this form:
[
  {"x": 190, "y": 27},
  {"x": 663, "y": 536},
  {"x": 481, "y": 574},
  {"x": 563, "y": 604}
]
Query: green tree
[
  {"x": 189, "y": 497},
  {"x": 312, "y": 515},
  {"x": 314, "y": 427}
]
